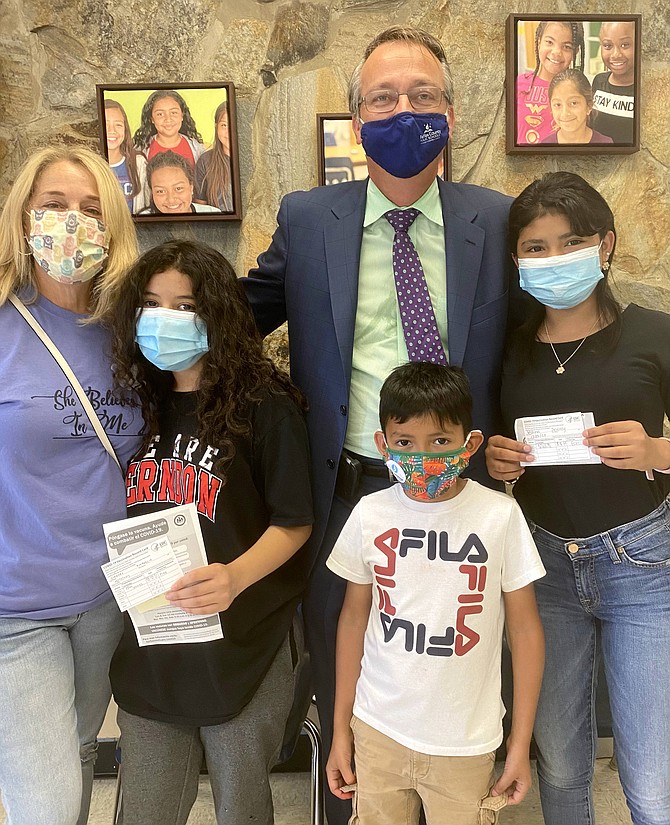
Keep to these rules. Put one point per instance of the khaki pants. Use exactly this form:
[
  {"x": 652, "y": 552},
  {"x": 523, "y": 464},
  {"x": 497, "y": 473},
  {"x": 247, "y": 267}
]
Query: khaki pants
[{"x": 394, "y": 782}]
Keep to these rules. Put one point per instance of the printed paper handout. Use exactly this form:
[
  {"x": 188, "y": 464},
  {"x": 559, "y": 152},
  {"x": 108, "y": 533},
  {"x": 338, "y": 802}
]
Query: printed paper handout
[{"x": 147, "y": 556}]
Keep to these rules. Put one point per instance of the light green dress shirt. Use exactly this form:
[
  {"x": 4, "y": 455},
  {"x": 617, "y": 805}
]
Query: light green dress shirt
[{"x": 379, "y": 341}]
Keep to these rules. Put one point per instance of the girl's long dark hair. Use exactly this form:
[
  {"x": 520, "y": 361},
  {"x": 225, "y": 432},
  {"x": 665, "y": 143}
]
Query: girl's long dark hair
[
  {"x": 236, "y": 374},
  {"x": 127, "y": 149},
  {"x": 218, "y": 177},
  {"x": 143, "y": 135},
  {"x": 568, "y": 194}
]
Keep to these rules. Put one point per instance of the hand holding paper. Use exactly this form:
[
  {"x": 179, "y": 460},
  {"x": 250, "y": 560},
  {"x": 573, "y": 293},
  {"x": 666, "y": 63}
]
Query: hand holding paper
[
  {"x": 205, "y": 590},
  {"x": 148, "y": 554},
  {"x": 625, "y": 445},
  {"x": 504, "y": 457}
]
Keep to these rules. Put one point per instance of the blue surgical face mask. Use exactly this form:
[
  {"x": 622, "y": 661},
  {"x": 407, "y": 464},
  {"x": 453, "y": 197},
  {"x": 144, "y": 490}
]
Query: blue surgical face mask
[
  {"x": 406, "y": 143},
  {"x": 171, "y": 339},
  {"x": 562, "y": 281}
]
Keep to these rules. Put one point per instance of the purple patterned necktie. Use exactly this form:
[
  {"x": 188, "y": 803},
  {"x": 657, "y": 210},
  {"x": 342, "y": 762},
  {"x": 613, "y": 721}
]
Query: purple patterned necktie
[{"x": 416, "y": 310}]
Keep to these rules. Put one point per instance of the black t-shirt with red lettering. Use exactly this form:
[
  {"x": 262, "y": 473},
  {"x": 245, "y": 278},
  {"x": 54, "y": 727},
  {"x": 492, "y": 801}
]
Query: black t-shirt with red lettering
[{"x": 267, "y": 483}]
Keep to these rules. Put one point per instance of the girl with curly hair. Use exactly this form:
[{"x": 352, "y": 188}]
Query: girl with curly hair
[
  {"x": 224, "y": 430},
  {"x": 167, "y": 123}
]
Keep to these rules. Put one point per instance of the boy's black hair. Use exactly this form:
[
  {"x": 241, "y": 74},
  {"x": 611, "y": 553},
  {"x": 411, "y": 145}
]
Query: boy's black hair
[{"x": 418, "y": 389}]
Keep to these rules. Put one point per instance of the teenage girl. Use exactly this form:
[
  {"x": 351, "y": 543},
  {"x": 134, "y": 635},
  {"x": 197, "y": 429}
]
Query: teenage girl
[
  {"x": 603, "y": 530},
  {"x": 558, "y": 46},
  {"x": 129, "y": 165},
  {"x": 571, "y": 102},
  {"x": 170, "y": 181},
  {"x": 167, "y": 123},
  {"x": 213, "y": 181},
  {"x": 614, "y": 89},
  {"x": 224, "y": 429}
]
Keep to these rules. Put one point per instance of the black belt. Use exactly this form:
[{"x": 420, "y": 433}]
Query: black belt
[{"x": 374, "y": 467}]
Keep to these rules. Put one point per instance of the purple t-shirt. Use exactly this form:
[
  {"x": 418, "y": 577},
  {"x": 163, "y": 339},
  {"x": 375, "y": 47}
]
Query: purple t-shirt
[{"x": 58, "y": 484}]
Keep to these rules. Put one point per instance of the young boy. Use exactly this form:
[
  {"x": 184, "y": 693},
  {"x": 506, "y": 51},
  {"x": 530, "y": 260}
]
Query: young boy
[{"x": 435, "y": 565}]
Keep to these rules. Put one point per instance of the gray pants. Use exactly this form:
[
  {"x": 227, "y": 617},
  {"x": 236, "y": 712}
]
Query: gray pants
[{"x": 161, "y": 761}]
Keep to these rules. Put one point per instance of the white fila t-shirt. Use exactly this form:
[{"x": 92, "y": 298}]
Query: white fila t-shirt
[{"x": 430, "y": 675}]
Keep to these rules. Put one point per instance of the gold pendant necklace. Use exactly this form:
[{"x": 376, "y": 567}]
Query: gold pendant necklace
[{"x": 560, "y": 369}]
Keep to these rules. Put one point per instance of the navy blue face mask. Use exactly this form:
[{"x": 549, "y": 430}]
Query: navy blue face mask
[{"x": 406, "y": 143}]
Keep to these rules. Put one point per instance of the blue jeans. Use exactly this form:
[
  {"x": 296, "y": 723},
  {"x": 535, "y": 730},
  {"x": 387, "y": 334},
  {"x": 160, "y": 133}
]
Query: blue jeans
[
  {"x": 54, "y": 691},
  {"x": 619, "y": 581}
]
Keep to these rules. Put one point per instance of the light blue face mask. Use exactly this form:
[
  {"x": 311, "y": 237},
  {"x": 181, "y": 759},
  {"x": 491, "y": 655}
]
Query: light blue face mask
[
  {"x": 171, "y": 339},
  {"x": 562, "y": 281}
]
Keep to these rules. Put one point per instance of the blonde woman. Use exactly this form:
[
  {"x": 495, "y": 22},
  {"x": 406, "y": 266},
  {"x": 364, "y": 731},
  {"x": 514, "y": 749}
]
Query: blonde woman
[{"x": 66, "y": 240}]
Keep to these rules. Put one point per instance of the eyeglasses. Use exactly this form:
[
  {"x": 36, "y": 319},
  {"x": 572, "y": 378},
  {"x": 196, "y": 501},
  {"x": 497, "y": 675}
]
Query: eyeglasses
[{"x": 422, "y": 99}]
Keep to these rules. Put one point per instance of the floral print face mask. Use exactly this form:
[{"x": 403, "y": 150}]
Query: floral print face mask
[
  {"x": 426, "y": 476},
  {"x": 69, "y": 246}
]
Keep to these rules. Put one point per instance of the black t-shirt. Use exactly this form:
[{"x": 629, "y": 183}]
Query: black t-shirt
[
  {"x": 631, "y": 382},
  {"x": 267, "y": 483},
  {"x": 613, "y": 108}
]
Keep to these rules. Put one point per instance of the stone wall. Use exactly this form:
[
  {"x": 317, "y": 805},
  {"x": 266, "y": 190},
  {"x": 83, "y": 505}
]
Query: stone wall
[{"x": 290, "y": 59}]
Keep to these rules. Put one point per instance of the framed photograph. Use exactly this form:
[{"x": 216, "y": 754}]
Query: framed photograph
[
  {"x": 342, "y": 159},
  {"x": 173, "y": 148},
  {"x": 573, "y": 83}
]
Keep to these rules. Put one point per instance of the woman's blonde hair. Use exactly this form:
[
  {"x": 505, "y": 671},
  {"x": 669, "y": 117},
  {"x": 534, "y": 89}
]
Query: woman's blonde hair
[{"x": 16, "y": 261}]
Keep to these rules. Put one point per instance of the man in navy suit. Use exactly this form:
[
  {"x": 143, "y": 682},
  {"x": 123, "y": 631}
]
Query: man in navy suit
[{"x": 329, "y": 273}]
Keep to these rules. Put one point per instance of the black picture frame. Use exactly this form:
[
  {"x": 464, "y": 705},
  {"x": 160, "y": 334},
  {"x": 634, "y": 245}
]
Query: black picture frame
[
  {"x": 204, "y": 152},
  {"x": 614, "y": 117}
]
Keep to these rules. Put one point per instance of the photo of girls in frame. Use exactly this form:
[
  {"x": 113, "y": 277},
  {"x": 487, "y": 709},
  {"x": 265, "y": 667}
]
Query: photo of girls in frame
[
  {"x": 573, "y": 84},
  {"x": 194, "y": 126}
]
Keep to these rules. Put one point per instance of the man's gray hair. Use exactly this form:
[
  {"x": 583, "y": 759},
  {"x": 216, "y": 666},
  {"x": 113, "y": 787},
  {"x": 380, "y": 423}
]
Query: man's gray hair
[{"x": 407, "y": 34}]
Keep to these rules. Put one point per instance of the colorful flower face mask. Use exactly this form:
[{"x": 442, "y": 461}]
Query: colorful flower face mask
[
  {"x": 69, "y": 246},
  {"x": 427, "y": 476}
]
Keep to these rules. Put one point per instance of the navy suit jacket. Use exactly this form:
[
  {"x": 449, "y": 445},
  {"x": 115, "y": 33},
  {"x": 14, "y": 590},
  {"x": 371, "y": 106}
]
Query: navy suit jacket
[{"x": 309, "y": 277}]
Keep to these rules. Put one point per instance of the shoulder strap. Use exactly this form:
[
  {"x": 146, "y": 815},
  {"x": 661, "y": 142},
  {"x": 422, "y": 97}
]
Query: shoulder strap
[{"x": 69, "y": 374}]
